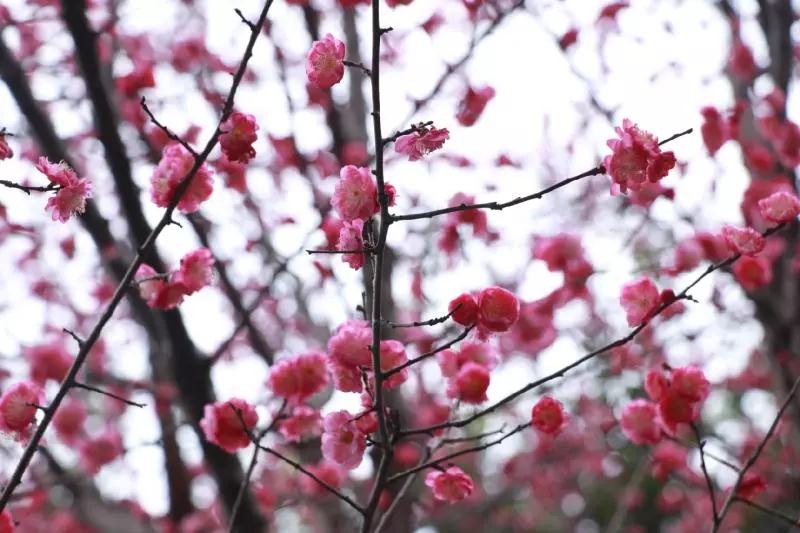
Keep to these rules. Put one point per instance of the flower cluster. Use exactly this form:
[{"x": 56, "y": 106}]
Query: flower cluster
[
  {"x": 636, "y": 158},
  {"x": 492, "y": 310},
  {"x": 675, "y": 398},
  {"x": 72, "y": 191},
  {"x": 166, "y": 291}
]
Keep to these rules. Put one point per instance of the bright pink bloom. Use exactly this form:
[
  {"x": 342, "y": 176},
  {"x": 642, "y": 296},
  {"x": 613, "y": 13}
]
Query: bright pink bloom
[
  {"x": 640, "y": 422},
  {"x": 639, "y": 299},
  {"x": 355, "y": 197},
  {"x": 5, "y": 149},
  {"x": 101, "y": 450},
  {"x": 72, "y": 193},
  {"x": 656, "y": 384},
  {"x": 48, "y": 361},
  {"x": 752, "y": 273},
  {"x": 239, "y": 134},
  {"x": 498, "y": 309},
  {"x": 470, "y": 383},
  {"x": 715, "y": 129},
  {"x": 690, "y": 382},
  {"x": 351, "y": 240},
  {"x": 674, "y": 409},
  {"x": 350, "y": 344},
  {"x": 325, "y": 62},
  {"x": 548, "y": 416},
  {"x": 342, "y": 441},
  {"x": 780, "y": 207},
  {"x": 175, "y": 164},
  {"x": 420, "y": 143},
  {"x": 222, "y": 425},
  {"x": 17, "y": 407},
  {"x": 636, "y": 158},
  {"x": 69, "y": 419},
  {"x": 69, "y": 200},
  {"x": 346, "y": 378},
  {"x": 393, "y": 354},
  {"x": 300, "y": 377},
  {"x": 464, "y": 309},
  {"x": 745, "y": 241},
  {"x": 450, "y": 486},
  {"x": 304, "y": 423},
  {"x": 472, "y": 104},
  {"x": 158, "y": 293},
  {"x": 196, "y": 270}
]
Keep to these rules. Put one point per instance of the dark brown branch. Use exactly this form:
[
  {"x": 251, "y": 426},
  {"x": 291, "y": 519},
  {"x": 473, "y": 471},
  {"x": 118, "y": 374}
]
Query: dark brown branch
[
  {"x": 498, "y": 206},
  {"x": 28, "y": 189},
  {"x": 360, "y": 66}
]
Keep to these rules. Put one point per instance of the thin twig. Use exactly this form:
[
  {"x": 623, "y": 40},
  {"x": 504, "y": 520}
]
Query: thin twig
[
  {"x": 84, "y": 386},
  {"x": 426, "y": 355},
  {"x": 754, "y": 456},
  {"x": 701, "y": 444},
  {"x": 28, "y": 189},
  {"x": 793, "y": 522}
]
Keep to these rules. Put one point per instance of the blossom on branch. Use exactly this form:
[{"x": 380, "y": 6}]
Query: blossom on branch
[
  {"x": 636, "y": 158},
  {"x": 239, "y": 134},
  {"x": 780, "y": 207},
  {"x": 451, "y": 485},
  {"x": 355, "y": 197},
  {"x": 224, "y": 424},
  {"x": 745, "y": 241},
  {"x": 174, "y": 167},
  {"x": 18, "y": 408},
  {"x": 71, "y": 193},
  {"x": 420, "y": 143},
  {"x": 342, "y": 441},
  {"x": 298, "y": 378},
  {"x": 639, "y": 299},
  {"x": 325, "y": 62},
  {"x": 351, "y": 240},
  {"x": 548, "y": 416}
]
